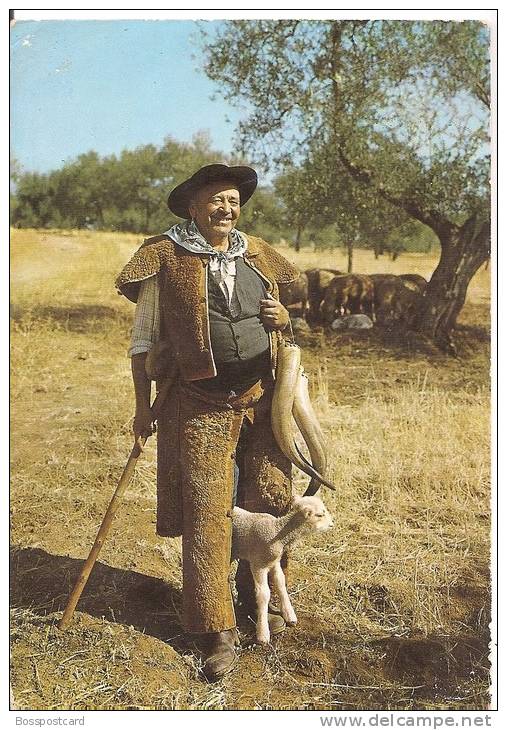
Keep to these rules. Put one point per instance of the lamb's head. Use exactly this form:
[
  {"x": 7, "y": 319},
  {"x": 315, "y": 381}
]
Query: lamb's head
[{"x": 313, "y": 512}]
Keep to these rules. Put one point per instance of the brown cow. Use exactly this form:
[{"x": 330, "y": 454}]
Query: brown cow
[
  {"x": 395, "y": 302},
  {"x": 294, "y": 296},
  {"x": 380, "y": 278},
  {"x": 406, "y": 306},
  {"x": 379, "y": 295},
  {"x": 318, "y": 281},
  {"x": 416, "y": 282},
  {"x": 348, "y": 294}
]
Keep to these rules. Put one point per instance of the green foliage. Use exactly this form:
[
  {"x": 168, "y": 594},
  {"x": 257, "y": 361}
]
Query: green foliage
[
  {"x": 128, "y": 192},
  {"x": 124, "y": 193},
  {"x": 262, "y": 217},
  {"x": 335, "y": 211},
  {"x": 33, "y": 201},
  {"x": 401, "y": 106},
  {"x": 369, "y": 125}
]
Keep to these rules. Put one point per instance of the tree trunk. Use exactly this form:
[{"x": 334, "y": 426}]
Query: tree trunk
[
  {"x": 99, "y": 214},
  {"x": 350, "y": 256},
  {"x": 297, "y": 242},
  {"x": 464, "y": 250}
]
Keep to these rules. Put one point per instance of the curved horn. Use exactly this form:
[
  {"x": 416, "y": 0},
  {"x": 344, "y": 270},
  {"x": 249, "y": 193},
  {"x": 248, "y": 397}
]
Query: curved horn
[
  {"x": 287, "y": 374},
  {"x": 303, "y": 409},
  {"x": 311, "y": 431}
]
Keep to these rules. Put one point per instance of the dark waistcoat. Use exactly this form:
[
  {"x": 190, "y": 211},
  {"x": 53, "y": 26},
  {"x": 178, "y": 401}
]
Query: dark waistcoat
[{"x": 240, "y": 344}]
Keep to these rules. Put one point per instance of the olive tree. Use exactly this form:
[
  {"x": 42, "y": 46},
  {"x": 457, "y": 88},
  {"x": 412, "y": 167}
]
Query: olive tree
[{"x": 401, "y": 107}]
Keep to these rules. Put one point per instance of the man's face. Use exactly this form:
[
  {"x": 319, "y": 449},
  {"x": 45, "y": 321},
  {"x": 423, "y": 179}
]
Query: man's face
[{"x": 215, "y": 208}]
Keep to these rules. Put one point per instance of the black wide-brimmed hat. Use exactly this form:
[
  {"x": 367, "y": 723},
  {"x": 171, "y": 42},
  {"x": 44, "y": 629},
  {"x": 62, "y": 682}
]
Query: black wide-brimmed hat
[{"x": 244, "y": 178}]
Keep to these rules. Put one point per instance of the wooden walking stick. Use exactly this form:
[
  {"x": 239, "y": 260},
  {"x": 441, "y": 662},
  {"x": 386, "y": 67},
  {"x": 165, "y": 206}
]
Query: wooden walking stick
[{"x": 125, "y": 479}]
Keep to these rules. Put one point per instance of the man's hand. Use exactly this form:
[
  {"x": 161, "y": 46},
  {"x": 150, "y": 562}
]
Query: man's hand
[
  {"x": 273, "y": 314},
  {"x": 143, "y": 422}
]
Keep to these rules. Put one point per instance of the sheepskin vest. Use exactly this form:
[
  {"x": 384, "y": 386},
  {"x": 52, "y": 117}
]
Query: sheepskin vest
[{"x": 184, "y": 310}]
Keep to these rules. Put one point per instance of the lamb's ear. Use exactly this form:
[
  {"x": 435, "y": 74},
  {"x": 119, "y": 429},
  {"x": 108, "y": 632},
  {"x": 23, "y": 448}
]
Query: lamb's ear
[{"x": 308, "y": 512}]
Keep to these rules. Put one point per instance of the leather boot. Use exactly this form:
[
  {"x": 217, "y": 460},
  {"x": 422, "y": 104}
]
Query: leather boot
[{"x": 220, "y": 655}]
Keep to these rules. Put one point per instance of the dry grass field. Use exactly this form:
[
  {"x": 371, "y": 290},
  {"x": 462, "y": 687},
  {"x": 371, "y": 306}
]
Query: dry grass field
[{"x": 393, "y": 604}]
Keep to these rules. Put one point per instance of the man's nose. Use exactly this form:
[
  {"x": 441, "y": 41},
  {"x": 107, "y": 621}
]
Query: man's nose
[{"x": 226, "y": 207}]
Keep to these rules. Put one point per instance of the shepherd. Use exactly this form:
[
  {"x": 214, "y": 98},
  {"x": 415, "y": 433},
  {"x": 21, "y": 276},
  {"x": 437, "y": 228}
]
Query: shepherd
[{"x": 208, "y": 316}]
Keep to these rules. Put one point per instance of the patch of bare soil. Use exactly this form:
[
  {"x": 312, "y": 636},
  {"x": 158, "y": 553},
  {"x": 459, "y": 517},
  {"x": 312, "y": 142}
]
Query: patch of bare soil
[{"x": 124, "y": 650}]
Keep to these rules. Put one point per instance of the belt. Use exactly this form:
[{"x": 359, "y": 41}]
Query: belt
[{"x": 230, "y": 399}]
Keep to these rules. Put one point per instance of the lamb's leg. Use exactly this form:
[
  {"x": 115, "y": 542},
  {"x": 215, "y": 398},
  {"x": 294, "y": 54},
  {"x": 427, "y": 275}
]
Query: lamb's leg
[
  {"x": 262, "y": 596},
  {"x": 286, "y": 609}
]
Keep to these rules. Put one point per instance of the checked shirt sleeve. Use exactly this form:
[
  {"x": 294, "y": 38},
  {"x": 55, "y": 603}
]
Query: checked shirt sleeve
[{"x": 146, "y": 328}]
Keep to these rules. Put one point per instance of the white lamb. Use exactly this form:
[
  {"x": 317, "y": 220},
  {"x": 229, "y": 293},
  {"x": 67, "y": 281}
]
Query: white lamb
[{"x": 261, "y": 538}]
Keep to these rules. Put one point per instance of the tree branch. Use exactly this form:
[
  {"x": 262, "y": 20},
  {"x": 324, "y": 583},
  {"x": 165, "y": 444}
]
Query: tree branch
[{"x": 431, "y": 218}]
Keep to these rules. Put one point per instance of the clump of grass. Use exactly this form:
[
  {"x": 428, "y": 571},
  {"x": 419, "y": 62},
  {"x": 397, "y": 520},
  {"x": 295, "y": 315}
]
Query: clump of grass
[{"x": 411, "y": 466}]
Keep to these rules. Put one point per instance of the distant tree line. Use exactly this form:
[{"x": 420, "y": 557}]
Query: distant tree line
[{"x": 128, "y": 193}]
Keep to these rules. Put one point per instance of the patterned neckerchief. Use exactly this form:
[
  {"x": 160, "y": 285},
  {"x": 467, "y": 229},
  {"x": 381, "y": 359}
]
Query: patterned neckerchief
[{"x": 222, "y": 263}]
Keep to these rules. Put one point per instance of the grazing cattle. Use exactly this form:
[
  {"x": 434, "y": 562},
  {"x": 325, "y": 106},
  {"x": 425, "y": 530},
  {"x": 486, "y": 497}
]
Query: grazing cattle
[
  {"x": 383, "y": 286},
  {"x": 294, "y": 296},
  {"x": 318, "y": 281},
  {"x": 348, "y": 294},
  {"x": 416, "y": 282}
]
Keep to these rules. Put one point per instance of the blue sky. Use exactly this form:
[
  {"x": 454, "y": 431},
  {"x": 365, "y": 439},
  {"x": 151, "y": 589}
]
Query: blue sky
[{"x": 108, "y": 86}]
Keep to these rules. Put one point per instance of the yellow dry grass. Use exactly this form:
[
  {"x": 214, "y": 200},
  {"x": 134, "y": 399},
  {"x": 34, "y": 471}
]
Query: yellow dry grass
[{"x": 393, "y": 604}]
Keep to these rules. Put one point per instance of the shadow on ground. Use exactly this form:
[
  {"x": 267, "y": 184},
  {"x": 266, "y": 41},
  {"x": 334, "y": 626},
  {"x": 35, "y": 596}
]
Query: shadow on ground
[
  {"x": 43, "y": 582},
  {"x": 349, "y": 672}
]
